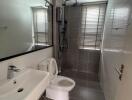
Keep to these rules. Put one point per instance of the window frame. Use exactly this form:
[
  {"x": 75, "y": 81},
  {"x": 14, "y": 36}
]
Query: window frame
[{"x": 97, "y": 33}]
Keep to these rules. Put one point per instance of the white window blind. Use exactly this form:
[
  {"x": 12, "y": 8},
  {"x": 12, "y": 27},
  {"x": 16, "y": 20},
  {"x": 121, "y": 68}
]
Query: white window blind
[{"x": 92, "y": 25}]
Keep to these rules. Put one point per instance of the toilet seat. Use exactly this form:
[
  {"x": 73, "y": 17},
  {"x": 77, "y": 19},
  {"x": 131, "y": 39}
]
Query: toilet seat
[{"x": 62, "y": 83}]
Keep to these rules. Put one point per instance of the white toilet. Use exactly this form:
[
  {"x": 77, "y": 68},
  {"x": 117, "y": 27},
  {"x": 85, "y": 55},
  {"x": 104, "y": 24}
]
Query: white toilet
[{"x": 60, "y": 86}]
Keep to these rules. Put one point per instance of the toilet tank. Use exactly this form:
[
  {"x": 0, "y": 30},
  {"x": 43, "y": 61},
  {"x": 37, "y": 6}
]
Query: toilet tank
[{"x": 43, "y": 65}]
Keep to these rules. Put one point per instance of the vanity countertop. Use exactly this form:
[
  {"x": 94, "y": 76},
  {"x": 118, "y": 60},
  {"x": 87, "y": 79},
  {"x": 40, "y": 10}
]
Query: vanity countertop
[{"x": 29, "y": 85}]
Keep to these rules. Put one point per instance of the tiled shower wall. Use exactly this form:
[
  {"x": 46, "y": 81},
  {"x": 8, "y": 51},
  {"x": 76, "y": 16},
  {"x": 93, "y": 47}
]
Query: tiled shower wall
[{"x": 74, "y": 58}]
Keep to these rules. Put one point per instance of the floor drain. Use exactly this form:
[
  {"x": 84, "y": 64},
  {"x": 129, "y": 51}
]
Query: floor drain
[{"x": 20, "y": 90}]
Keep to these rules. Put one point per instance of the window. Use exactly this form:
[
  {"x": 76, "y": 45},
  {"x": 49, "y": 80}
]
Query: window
[
  {"x": 42, "y": 22},
  {"x": 92, "y": 25}
]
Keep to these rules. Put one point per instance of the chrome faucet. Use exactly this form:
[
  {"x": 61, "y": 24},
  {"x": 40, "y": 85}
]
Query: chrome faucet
[{"x": 11, "y": 70}]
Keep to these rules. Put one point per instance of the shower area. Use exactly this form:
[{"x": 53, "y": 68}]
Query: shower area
[
  {"x": 80, "y": 46},
  {"x": 84, "y": 32}
]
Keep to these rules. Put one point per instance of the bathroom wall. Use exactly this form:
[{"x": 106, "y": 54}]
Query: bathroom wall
[
  {"x": 16, "y": 15},
  {"x": 116, "y": 50},
  {"x": 26, "y": 61},
  {"x": 74, "y": 58}
]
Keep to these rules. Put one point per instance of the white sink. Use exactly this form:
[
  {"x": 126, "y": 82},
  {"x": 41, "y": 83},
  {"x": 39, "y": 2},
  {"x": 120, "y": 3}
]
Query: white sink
[{"x": 29, "y": 85}]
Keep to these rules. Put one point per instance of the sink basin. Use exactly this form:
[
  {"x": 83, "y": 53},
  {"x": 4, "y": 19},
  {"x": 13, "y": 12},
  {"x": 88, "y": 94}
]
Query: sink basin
[{"x": 29, "y": 85}]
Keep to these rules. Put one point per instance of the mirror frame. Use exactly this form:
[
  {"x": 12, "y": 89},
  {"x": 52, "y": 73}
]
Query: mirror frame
[{"x": 28, "y": 52}]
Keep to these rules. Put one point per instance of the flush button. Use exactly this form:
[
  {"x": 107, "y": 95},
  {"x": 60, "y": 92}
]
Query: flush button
[{"x": 20, "y": 90}]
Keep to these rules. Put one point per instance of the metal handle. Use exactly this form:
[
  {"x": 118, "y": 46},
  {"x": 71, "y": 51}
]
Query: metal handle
[
  {"x": 14, "y": 68},
  {"x": 120, "y": 71}
]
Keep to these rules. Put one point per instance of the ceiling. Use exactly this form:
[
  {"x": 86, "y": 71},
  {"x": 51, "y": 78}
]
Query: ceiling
[{"x": 70, "y": 2}]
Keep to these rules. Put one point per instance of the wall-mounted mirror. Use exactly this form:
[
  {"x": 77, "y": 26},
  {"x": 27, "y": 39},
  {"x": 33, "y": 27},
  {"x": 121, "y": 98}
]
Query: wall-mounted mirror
[{"x": 25, "y": 25}]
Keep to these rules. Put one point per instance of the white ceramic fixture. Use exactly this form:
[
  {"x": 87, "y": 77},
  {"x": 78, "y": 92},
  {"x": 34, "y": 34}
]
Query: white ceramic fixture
[
  {"x": 29, "y": 85},
  {"x": 60, "y": 86}
]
